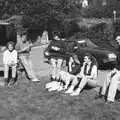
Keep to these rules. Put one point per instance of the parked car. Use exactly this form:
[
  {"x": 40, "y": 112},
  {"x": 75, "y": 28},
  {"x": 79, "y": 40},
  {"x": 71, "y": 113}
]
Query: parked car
[{"x": 104, "y": 56}]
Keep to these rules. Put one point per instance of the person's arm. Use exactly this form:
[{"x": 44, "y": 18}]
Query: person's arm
[
  {"x": 70, "y": 64},
  {"x": 27, "y": 48},
  {"x": 111, "y": 73},
  {"x": 81, "y": 74}
]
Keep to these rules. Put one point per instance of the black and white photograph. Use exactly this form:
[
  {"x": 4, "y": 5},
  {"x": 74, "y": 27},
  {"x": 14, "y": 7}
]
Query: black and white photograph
[{"x": 59, "y": 59}]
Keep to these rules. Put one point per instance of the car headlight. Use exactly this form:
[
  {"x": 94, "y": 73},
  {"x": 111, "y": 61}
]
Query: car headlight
[
  {"x": 47, "y": 53},
  {"x": 112, "y": 56}
]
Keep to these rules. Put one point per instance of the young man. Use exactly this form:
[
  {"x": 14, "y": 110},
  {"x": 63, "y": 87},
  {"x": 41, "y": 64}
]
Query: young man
[
  {"x": 87, "y": 75},
  {"x": 10, "y": 61},
  {"x": 24, "y": 47}
]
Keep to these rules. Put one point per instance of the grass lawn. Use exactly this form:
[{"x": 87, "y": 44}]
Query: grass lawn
[{"x": 31, "y": 101}]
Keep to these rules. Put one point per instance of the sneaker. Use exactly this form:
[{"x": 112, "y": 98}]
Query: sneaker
[
  {"x": 75, "y": 93},
  {"x": 52, "y": 89},
  {"x": 99, "y": 97},
  {"x": 35, "y": 80},
  {"x": 70, "y": 90},
  {"x": 109, "y": 102},
  {"x": 12, "y": 82},
  {"x": 60, "y": 88}
]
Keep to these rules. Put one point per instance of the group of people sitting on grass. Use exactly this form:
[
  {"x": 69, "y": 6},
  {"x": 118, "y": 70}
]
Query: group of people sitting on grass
[{"x": 80, "y": 74}]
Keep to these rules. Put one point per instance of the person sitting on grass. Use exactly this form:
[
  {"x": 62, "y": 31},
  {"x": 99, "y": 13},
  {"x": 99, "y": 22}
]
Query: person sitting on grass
[
  {"x": 87, "y": 75},
  {"x": 10, "y": 61},
  {"x": 65, "y": 77},
  {"x": 110, "y": 85}
]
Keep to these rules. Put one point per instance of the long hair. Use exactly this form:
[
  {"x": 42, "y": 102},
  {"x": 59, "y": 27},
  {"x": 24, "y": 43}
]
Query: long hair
[{"x": 92, "y": 58}]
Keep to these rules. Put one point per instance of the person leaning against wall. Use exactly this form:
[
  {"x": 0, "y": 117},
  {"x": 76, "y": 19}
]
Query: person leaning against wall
[{"x": 24, "y": 47}]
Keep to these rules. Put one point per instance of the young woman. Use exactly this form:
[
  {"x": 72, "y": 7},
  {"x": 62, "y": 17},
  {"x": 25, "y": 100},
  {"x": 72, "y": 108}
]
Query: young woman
[{"x": 87, "y": 75}]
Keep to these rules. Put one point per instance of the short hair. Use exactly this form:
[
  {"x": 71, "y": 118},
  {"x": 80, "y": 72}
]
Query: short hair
[
  {"x": 10, "y": 43},
  {"x": 88, "y": 55}
]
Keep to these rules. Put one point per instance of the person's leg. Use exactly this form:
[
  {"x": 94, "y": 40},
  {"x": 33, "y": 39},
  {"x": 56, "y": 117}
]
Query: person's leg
[
  {"x": 28, "y": 67},
  {"x": 74, "y": 81},
  {"x": 113, "y": 87},
  {"x": 54, "y": 68},
  {"x": 6, "y": 74},
  {"x": 14, "y": 70},
  {"x": 59, "y": 65},
  {"x": 82, "y": 84},
  {"x": 105, "y": 85}
]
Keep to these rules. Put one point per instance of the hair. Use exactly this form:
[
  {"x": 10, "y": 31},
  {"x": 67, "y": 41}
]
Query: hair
[
  {"x": 88, "y": 55},
  {"x": 10, "y": 43},
  {"x": 57, "y": 33},
  {"x": 92, "y": 58}
]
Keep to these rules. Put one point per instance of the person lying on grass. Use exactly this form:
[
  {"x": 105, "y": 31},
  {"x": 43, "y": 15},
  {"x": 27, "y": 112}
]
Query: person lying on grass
[{"x": 74, "y": 66}]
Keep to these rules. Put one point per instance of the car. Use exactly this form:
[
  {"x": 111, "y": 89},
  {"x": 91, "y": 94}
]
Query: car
[{"x": 103, "y": 55}]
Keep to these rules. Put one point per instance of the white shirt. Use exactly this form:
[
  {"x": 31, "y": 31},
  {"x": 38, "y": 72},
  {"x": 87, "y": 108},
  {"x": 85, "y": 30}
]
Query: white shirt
[{"x": 9, "y": 57}]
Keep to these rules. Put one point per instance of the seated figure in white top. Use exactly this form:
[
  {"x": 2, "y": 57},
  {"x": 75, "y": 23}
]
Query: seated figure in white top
[
  {"x": 87, "y": 75},
  {"x": 10, "y": 61}
]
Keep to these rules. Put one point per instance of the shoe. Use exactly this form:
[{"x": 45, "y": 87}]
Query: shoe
[
  {"x": 52, "y": 89},
  {"x": 35, "y": 80},
  {"x": 99, "y": 97},
  {"x": 70, "y": 90},
  {"x": 60, "y": 88},
  {"x": 75, "y": 93},
  {"x": 12, "y": 82},
  {"x": 109, "y": 102}
]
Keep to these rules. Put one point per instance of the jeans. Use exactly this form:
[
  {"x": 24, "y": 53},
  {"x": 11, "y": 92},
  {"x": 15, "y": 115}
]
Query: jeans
[{"x": 27, "y": 63}]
